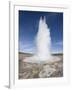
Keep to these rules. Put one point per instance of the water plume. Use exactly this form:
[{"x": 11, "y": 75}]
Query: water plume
[
  {"x": 43, "y": 40},
  {"x": 43, "y": 44}
]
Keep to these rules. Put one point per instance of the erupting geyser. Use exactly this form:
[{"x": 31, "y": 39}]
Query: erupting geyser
[
  {"x": 43, "y": 44},
  {"x": 43, "y": 41}
]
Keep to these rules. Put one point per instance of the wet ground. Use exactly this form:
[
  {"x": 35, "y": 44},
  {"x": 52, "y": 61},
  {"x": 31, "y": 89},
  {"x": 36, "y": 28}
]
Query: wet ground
[{"x": 40, "y": 70}]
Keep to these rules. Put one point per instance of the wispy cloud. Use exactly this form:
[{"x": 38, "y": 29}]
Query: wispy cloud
[
  {"x": 59, "y": 43},
  {"x": 57, "y": 47},
  {"x": 27, "y": 47}
]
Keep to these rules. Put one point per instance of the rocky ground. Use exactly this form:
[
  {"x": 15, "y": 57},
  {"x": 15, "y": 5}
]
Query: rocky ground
[{"x": 40, "y": 70}]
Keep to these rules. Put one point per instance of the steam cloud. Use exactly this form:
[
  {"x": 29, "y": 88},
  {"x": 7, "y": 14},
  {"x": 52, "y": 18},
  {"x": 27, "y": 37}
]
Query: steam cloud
[{"x": 43, "y": 44}]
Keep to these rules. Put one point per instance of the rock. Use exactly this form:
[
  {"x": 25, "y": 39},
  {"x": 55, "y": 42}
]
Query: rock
[
  {"x": 47, "y": 71},
  {"x": 29, "y": 70}
]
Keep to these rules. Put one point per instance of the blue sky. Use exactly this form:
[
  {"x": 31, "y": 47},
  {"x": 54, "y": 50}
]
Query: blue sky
[{"x": 28, "y": 27}]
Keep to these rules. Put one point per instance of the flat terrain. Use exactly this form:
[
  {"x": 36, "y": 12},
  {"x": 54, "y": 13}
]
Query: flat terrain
[{"x": 40, "y": 70}]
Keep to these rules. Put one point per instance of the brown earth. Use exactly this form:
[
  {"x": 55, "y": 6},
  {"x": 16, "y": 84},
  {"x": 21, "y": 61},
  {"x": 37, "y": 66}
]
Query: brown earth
[{"x": 40, "y": 70}]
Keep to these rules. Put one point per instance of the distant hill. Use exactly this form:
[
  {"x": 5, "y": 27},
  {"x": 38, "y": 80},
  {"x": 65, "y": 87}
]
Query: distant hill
[
  {"x": 57, "y": 54},
  {"x": 33, "y": 54},
  {"x": 23, "y": 55}
]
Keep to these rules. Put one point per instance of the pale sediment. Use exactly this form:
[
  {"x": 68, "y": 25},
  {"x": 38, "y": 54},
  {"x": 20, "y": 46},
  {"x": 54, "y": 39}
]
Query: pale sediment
[{"x": 28, "y": 70}]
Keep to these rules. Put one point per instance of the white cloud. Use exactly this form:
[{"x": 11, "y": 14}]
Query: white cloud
[
  {"x": 59, "y": 43},
  {"x": 27, "y": 47},
  {"x": 57, "y": 47}
]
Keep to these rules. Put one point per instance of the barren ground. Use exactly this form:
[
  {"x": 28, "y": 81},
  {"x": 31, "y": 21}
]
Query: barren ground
[{"x": 40, "y": 70}]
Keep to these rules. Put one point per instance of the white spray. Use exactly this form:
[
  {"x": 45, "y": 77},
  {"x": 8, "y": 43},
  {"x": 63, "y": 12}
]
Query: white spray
[
  {"x": 43, "y": 40},
  {"x": 43, "y": 44}
]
